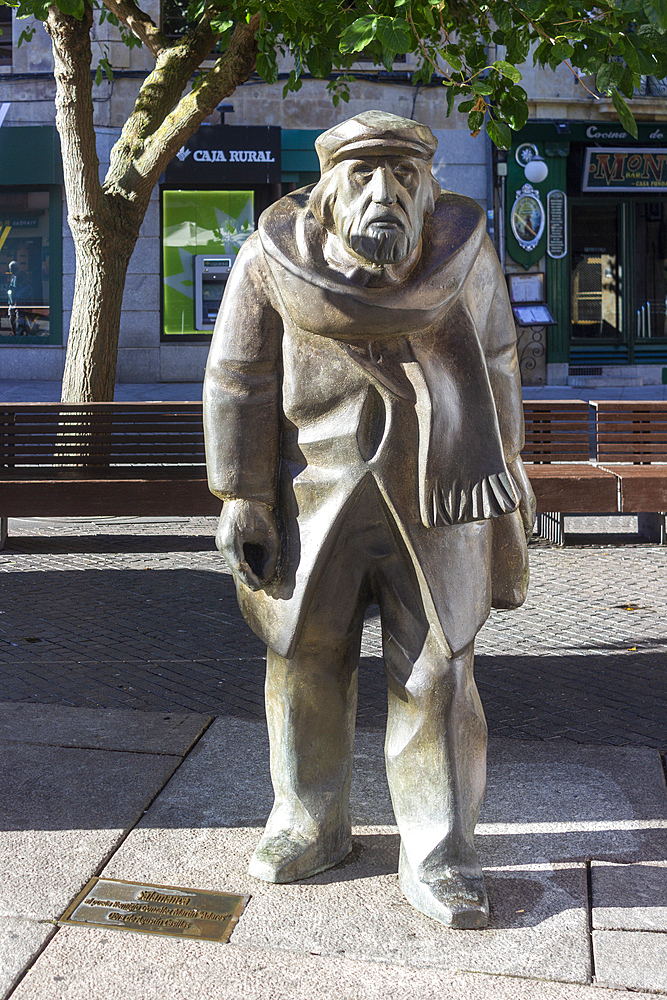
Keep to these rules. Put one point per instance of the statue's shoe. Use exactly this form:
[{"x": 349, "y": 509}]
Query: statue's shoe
[
  {"x": 453, "y": 897},
  {"x": 287, "y": 857}
]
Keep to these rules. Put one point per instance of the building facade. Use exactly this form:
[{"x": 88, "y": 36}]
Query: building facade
[
  {"x": 584, "y": 246},
  {"x": 583, "y": 219}
]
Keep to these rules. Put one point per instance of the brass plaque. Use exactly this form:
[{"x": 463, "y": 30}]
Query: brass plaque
[{"x": 156, "y": 909}]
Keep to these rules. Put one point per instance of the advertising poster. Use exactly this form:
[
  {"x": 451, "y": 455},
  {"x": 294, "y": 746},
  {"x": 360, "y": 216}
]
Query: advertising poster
[{"x": 197, "y": 222}]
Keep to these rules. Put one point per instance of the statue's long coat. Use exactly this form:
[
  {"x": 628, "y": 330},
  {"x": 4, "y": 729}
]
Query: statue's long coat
[{"x": 316, "y": 381}]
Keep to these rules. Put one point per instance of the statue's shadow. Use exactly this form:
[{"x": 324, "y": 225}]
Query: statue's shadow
[{"x": 516, "y": 899}]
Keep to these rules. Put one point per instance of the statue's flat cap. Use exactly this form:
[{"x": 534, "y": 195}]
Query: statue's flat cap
[{"x": 374, "y": 133}]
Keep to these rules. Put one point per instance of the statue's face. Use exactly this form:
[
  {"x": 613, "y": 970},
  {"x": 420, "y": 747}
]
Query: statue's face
[{"x": 379, "y": 208}]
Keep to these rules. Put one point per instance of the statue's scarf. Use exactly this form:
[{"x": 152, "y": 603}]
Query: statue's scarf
[{"x": 416, "y": 338}]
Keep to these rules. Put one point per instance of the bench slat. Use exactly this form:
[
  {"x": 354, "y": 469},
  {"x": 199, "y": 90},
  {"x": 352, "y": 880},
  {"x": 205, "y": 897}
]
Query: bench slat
[
  {"x": 107, "y": 497},
  {"x": 575, "y": 489}
]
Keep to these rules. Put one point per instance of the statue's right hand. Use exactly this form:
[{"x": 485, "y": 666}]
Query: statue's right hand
[{"x": 248, "y": 538}]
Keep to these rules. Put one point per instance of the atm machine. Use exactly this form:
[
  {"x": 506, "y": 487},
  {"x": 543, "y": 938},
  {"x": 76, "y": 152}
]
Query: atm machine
[{"x": 211, "y": 273}]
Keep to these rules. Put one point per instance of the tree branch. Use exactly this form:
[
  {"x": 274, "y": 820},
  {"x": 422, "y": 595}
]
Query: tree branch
[
  {"x": 156, "y": 150},
  {"x": 72, "y": 55},
  {"x": 140, "y": 24},
  {"x": 159, "y": 94}
]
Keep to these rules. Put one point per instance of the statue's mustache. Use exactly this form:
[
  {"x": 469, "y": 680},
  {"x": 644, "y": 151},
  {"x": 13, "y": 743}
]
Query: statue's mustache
[{"x": 375, "y": 213}]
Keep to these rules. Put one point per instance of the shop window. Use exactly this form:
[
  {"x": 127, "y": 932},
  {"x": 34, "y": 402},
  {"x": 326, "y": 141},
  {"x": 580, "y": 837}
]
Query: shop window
[
  {"x": 24, "y": 267},
  {"x": 650, "y": 269},
  {"x": 5, "y": 36},
  {"x": 197, "y": 223}
]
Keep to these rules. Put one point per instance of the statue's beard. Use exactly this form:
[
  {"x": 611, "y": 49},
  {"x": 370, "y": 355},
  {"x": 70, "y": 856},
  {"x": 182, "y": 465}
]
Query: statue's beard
[{"x": 381, "y": 245}]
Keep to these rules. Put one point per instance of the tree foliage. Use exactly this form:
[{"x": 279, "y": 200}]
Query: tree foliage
[{"x": 616, "y": 41}]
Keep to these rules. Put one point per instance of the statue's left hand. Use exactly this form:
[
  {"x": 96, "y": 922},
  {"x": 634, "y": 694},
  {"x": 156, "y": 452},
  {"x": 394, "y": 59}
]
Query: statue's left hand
[
  {"x": 248, "y": 538},
  {"x": 528, "y": 503}
]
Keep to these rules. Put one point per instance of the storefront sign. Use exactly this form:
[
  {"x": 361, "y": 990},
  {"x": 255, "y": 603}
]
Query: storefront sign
[
  {"x": 556, "y": 224},
  {"x": 627, "y": 169},
  {"x": 22, "y": 222},
  {"x": 226, "y": 154},
  {"x": 598, "y": 133},
  {"x": 610, "y": 132},
  {"x": 527, "y": 217}
]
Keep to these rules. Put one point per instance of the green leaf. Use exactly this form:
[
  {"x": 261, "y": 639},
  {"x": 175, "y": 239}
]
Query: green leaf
[
  {"x": 475, "y": 120},
  {"x": 499, "y": 134},
  {"x": 630, "y": 56},
  {"x": 515, "y": 113},
  {"x": 466, "y": 106},
  {"x": 628, "y": 82},
  {"x": 625, "y": 115},
  {"x": 318, "y": 61},
  {"x": 656, "y": 12},
  {"x": 502, "y": 15},
  {"x": 267, "y": 67},
  {"x": 482, "y": 87},
  {"x": 221, "y": 25},
  {"x": 26, "y": 36},
  {"x": 506, "y": 69},
  {"x": 603, "y": 80},
  {"x": 561, "y": 50},
  {"x": 359, "y": 34},
  {"x": 388, "y": 56},
  {"x": 453, "y": 60},
  {"x": 74, "y": 8},
  {"x": 395, "y": 34},
  {"x": 518, "y": 45}
]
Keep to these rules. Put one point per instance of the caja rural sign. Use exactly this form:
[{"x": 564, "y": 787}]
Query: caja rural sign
[
  {"x": 228, "y": 154},
  {"x": 626, "y": 169}
]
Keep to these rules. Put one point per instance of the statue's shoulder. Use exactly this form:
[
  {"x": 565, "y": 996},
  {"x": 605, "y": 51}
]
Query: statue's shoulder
[
  {"x": 458, "y": 215},
  {"x": 290, "y": 235},
  {"x": 284, "y": 215},
  {"x": 453, "y": 235}
]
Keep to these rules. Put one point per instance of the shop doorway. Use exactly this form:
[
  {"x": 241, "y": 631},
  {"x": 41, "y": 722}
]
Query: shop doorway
[{"x": 618, "y": 279}]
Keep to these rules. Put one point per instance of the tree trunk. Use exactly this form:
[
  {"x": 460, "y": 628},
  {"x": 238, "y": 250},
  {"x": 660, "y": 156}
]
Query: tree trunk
[
  {"x": 102, "y": 259},
  {"x": 105, "y": 219}
]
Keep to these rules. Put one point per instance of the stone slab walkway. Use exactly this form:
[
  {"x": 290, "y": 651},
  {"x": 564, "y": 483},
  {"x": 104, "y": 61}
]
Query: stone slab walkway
[{"x": 174, "y": 800}]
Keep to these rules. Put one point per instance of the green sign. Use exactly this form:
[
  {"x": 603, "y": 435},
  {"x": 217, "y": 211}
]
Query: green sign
[
  {"x": 197, "y": 222},
  {"x": 615, "y": 169}
]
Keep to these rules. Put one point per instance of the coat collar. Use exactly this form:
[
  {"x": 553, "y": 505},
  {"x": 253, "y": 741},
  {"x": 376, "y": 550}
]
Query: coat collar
[{"x": 324, "y": 300}]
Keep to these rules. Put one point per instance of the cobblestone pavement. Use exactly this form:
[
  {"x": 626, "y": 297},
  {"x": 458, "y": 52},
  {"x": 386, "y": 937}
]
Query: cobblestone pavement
[{"x": 143, "y": 615}]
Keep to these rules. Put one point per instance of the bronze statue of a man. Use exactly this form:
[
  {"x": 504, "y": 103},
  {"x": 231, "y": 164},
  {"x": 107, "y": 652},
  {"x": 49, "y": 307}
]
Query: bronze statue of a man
[{"x": 363, "y": 426}]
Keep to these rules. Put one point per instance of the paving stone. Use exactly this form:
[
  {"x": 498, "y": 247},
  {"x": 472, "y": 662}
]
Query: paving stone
[
  {"x": 20, "y": 940},
  {"x": 115, "y": 729},
  {"x": 63, "y": 811},
  {"x": 631, "y": 897},
  {"x": 82, "y": 963},
  {"x": 633, "y": 960},
  {"x": 65, "y": 808}
]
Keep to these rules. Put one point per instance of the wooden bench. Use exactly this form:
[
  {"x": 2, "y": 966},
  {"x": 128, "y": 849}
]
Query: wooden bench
[
  {"x": 557, "y": 457},
  {"x": 632, "y": 445},
  {"x": 69, "y": 459}
]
